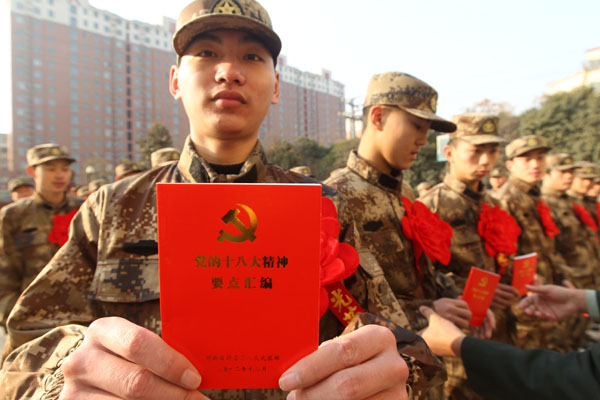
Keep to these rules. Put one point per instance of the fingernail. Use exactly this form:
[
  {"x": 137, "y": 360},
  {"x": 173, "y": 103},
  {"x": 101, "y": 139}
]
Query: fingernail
[
  {"x": 291, "y": 396},
  {"x": 289, "y": 381},
  {"x": 191, "y": 379}
]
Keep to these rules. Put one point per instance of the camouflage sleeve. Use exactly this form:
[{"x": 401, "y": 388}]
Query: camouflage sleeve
[
  {"x": 426, "y": 371},
  {"x": 57, "y": 297},
  {"x": 35, "y": 371},
  {"x": 11, "y": 265}
]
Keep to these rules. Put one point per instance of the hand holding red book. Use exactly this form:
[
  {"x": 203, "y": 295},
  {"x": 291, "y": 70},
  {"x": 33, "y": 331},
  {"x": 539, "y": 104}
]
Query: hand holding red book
[{"x": 479, "y": 293}]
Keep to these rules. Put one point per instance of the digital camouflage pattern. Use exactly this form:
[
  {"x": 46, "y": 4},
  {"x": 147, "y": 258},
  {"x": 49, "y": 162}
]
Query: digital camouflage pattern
[
  {"x": 525, "y": 144},
  {"x": 459, "y": 206},
  {"x": 127, "y": 168},
  {"x": 47, "y": 152},
  {"x": 476, "y": 128},
  {"x": 164, "y": 156},
  {"x": 519, "y": 199},
  {"x": 24, "y": 246},
  {"x": 375, "y": 206},
  {"x": 16, "y": 183},
  {"x": 109, "y": 267}
]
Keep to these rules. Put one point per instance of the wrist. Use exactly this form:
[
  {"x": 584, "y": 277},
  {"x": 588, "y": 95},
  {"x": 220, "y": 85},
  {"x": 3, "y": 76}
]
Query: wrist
[{"x": 456, "y": 345}]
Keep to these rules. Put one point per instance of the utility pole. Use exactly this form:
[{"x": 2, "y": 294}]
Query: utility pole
[{"x": 353, "y": 114}]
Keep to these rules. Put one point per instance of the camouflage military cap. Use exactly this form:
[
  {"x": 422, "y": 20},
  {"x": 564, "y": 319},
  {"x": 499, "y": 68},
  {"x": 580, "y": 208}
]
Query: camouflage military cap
[
  {"x": 126, "y": 168},
  {"x": 498, "y": 172},
  {"x": 476, "y": 128},
  {"x": 525, "y": 144},
  {"x": 202, "y": 16},
  {"x": 16, "y": 183},
  {"x": 47, "y": 152},
  {"x": 561, "y": 162},
  {"x": 164, "y": 156},
  {"x": 586, "y": 170},
  {"x": 96, "y": 184},
  {"x": 83, "y": 191},
  {"x": 408, "y": 93},
  {"x": 302, "y": 169},
  {"x": 423, "y": 186}
]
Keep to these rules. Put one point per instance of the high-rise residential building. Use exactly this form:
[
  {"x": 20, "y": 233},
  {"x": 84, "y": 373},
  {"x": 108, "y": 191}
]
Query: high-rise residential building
[
  {"x": 95, "y": 82},
  {"x": 588, "y": 76},
  {"x": 311, "y": 105}
]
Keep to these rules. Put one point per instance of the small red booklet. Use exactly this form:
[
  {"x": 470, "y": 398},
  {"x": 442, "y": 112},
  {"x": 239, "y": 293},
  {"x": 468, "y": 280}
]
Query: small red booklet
[
  {"x": 523, "y": 273},
  {"x": 479, "y": 292},
  {"x": 239, "y": 278}
]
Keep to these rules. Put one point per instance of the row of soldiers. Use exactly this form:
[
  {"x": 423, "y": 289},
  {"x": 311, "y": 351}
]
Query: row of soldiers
[{"x": 412, "y": 252}]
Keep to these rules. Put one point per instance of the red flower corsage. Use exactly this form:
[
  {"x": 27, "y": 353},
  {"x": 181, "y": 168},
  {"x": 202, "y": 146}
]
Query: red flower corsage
[
  {"x": 585, "y": 216},
  {"x": 60, "y": 228},
  {"x": 550, "y": 227},
  {"x": 338, "y": 260},
  {"x": 428, "y": 233},
  {"x": 500, "y": 233}
]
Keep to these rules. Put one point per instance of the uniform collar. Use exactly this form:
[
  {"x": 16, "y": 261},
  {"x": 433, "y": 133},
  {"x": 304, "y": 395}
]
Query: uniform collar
[
  {"x": 554, "y": 193},
  {"x": 524, "y": 186},
  {"x": 369, "y": 173},
  {"x": 458, "y": 186},
  {"x": 195, "y": 169},
  {"x": 575, "y": 195},
  {"x": 39, "y": 199}
]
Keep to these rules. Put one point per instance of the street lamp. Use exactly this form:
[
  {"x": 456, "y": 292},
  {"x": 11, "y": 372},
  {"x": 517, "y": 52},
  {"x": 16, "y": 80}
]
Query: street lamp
[{"x": 89, "y": 172}]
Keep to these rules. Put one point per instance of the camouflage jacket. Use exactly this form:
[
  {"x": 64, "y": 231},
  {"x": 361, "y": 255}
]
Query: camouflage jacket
[
  {"x": 519, "y": 199},
  {"x": 459, "y": 206},
  {"x": 590, "y": 205},
  {"x": 24, "y": 245},
  {"x": 109, "y": 267},
  {"x": 573, "y": 242},
  {"x": 375, "y": 205}
]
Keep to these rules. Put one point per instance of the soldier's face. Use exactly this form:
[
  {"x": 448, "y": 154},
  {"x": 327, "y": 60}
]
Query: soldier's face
[
  {"x": 226, "y": 81},
  {"x": 469, "y": 162},
  {"x": 400, "y": 138},
  {"x": 52, "y": 177},
  {"x": 560, "y": 180},
  {"x": 22, "y": 192},
  {"x": 594, "y": 190},
  {"x": 581, "y": 185},
  {"x": 496, "y": 182},
  {"x": 529, "y": 167}
]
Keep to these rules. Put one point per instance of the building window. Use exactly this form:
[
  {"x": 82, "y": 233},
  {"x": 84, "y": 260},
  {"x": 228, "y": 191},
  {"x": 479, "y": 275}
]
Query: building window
[
  {"x": 73, "y": 9},
  {"x": 39, "y": 126},
  {"x": 75, "y": 131}
]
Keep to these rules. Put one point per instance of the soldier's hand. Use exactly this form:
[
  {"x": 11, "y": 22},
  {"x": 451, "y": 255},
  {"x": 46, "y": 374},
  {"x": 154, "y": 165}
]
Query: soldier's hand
[
  {"x": 553, "y": 302},
  {"x": 505, "y": 296},
  {"x": 363, "y": 364},
  {"x": 455, "y": 310},
  {"x": 486, "y": 329},
  {"x": 120, "y": 360},
  {"x": 441, "y": 335}
]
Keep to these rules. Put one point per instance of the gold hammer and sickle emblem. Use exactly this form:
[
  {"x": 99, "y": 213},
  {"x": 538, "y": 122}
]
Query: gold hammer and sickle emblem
[
  {"x": 246, "y": 232},
  {"x": 483, "y": 282}
]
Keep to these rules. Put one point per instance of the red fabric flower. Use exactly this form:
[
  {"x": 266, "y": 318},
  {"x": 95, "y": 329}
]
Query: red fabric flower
[
  {"x": 428, "y": 233},
  {"x": 585, "y": 216},
  {"x": 598, "y": 211},
  {"x": 60, "y": 228},
  {"x": 550, "y": 227},
  {"x": 499, "y": 230},
  {"x": 338, "y": 260}
]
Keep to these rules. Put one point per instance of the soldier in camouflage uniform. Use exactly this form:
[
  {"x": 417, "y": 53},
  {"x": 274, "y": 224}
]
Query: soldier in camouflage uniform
[
  {"x": 573, "y": 242},
  {"x": 591, "y": 197},
  {"x": 521, "y": 196},
  {"x": 471, "y": 153},
  {"x": 21, "y": 188},
  {"x": 498, "y": 177},
  {"x": 109, "y": 267},
  {"x": 125, "y": 169},
  {"x": 24, "y": 226},
  {"x": 164, "y": 156},
  {"x": 422, "y": 188}
]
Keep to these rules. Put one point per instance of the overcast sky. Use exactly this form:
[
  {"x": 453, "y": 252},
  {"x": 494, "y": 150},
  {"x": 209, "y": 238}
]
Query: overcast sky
[{"x": 468, "y": 50}]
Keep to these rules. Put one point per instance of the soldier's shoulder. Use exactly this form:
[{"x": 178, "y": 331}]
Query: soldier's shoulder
[
  {"x": 436, "y": 191},
  {"x": 13, "y": 210},
  {"x": 348, "y": 182}
]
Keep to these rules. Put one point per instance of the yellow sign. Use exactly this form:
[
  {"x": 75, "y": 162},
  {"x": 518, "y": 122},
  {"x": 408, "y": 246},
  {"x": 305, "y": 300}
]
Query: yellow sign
[
  {"x": 433, "y": 103},
  {"x": 532, "y": 142},
  {"x": 489, "y": 126},
  {"x": 246, "y": 232},
  {"x": 483, "y": 282},
  {"x": 227, "y": 7}
]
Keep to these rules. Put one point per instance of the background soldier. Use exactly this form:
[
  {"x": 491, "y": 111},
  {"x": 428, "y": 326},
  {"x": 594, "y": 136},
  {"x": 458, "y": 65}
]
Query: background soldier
[
  {"x": 471, "y": 153},
  {"x": 584, "y": 181},
  {"x": 422, "y": 188},
  {"x": 227, "y": 80},
  {"x": 25, "y": 246},
  {"x": 164, "y": 156},
  {"x": 521, "y": 197},
  {"x": 498, "y": 177},
  {"x": 125, "y": 169},
  {"x": 21, "y": 188}
]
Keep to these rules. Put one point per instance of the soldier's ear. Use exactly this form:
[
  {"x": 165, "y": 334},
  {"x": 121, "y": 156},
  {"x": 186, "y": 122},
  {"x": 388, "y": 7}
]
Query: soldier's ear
[
  {"x": 174, "y": 82},
  {"x": 29, "y": 170},
  {"x": 376, "y": 117},
  {"x": 448, "y": 149},
  {"x": 509, "y": 164}
]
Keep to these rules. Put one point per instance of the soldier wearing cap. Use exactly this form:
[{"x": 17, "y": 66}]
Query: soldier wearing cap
[
  {"x": 302, "y": 169},
  {"x": 573, "y": 242},
  {"x": 583, "y": 181},
  {"x": 521, "y": 197},
  {"x": 422, "y": 188},
  {"x": 471, "y": 153},
  {"x": 21, "y": 188},
  {"x": 226, "y": 79},
  {"x": 164, "y": 156},
  {"x": 125, "y": 169},
  {"x": 498, "y": 177},
  {"x": 398, "y": 111},
  {"x": 95, "y": 185},
  {"x": 25, "y": 247}
]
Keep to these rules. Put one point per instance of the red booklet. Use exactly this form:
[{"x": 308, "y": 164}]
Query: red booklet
[
  {"x": 523, "y": 272},
  {"x": 239, "y": 278},
  {"x": 479, "y": 292}
]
